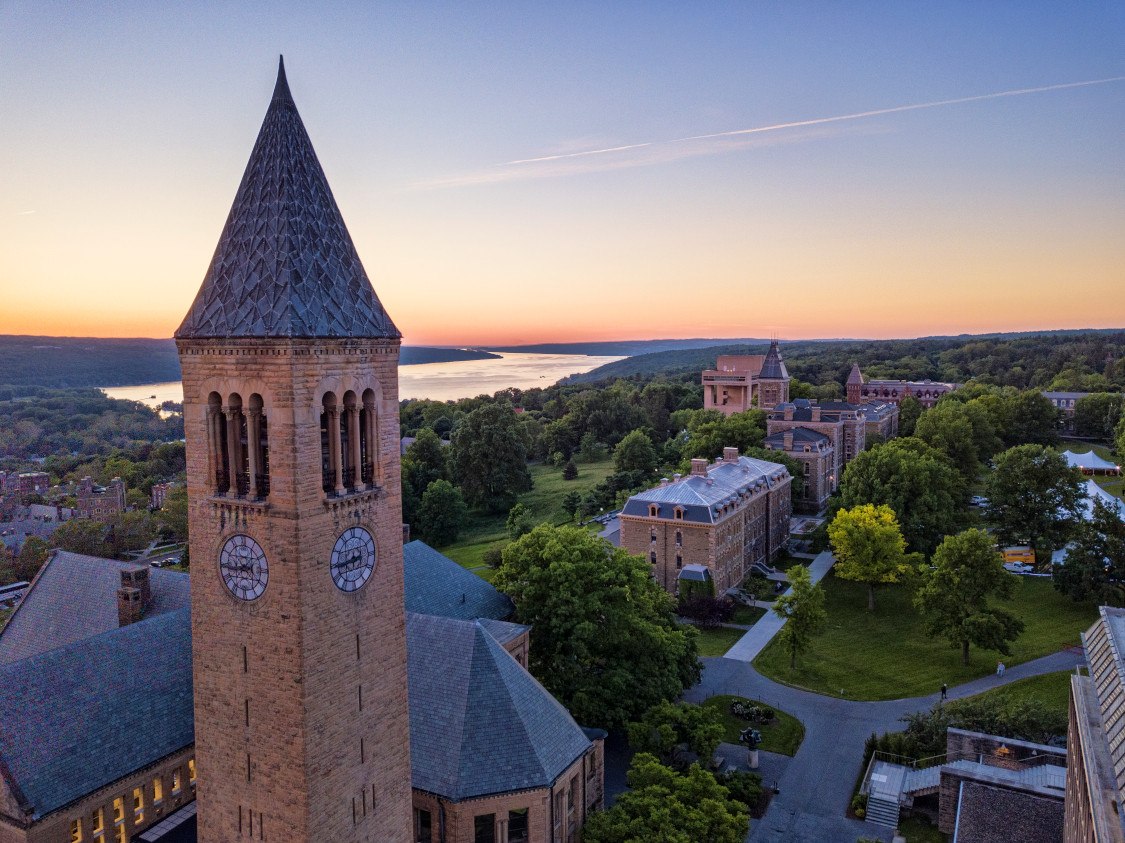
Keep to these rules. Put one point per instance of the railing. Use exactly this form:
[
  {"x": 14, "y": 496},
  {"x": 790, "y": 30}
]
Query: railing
[
  {"x": 328, "y": 481},
  {"x": 243, "y": 481},
  {"x": 222, "y": 482}
]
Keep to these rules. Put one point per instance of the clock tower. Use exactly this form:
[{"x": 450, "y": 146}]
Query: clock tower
[{"x": 291, "y": 417}]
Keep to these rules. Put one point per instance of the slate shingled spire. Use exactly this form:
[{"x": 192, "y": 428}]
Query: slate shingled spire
[
  {"x": 772, "y": 367},
  {"x": 285, "y": 265}
]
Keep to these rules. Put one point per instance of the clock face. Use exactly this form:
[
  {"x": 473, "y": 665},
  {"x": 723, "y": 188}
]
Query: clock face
[
  {"x": 353, "y": 559},
  {"x": 243, "y": 566}
]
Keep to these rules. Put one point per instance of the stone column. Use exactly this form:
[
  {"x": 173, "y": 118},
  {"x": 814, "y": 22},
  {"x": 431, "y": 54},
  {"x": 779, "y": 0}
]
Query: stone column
[
  {"x": 253, "y": 434},
  {"x": 234, "y": 435},
  {"x": 214, "y": 447},
  {"x": 334, "y": 447},
  {"x": 371, "y": 431},
  {"x": 353, "y": 446}
]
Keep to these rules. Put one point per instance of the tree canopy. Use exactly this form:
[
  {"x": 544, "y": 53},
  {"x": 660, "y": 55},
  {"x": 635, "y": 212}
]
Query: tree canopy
[
  {"x": 1094, "y": 568},
  {"x": 489, "y": 457},
  {"x": 635, "y": 453},
  {"x": 1034, "y": 496},
  {"x": 674, "y": 732},
  {"x": 869, "y": 547},
  {"x": 604, "y": 636},
  {"x": 441, "y": 513},
  {"x": 802, "y": 607},
  {"x": 954, "y": 595}
]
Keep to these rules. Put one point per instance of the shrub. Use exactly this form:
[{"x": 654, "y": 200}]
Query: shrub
[
  {"x": 707, "y": 611},
  {"x": 752, "y": 712},
  {"x": 744, "y": 786},
  {"x": 493, "y": 557}
]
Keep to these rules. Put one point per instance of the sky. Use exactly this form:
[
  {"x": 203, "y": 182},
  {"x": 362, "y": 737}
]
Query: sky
[{"x": 537, "y": 172}]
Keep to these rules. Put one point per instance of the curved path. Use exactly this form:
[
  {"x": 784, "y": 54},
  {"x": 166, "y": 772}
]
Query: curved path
[{"x": 817, "y": 785}]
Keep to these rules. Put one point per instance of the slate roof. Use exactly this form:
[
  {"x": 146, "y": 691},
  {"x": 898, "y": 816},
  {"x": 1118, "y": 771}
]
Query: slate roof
[
  {"x": 999, "y": 815},
  {"x": 74, "y": 718},
  {"x": 75, "y": 597},
  {"x": 703, "y": 498},
  {"x": 479, "y": 723},
  {"x": 772, "y": 367},
  {"x": 802, "y": 410},
  {"x": 436, "y": 585},
  {"x": 800, "y": 435},
  {"x": 855, "y": 376},
  {"x": 285, "y": 265}
]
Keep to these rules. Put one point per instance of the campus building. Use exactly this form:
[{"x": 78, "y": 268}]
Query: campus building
[
  {"x": 714, "y": 524},
  {"x": 277, "y": 692},
  {"x": 843, "y": 424},
  {"x": 927, "y": 392},
  {"x": 739, "y": 383},
  {"x": 1065, "y": 403},
  {"x": 817, "y": 456},
  {"x": 100, "y": 503}
]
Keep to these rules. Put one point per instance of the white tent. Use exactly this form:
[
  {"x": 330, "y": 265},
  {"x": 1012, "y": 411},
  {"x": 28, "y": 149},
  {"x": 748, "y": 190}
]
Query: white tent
[
  {"x": 1089, "y": 461},
  {"x": 1094, "y": 492}
]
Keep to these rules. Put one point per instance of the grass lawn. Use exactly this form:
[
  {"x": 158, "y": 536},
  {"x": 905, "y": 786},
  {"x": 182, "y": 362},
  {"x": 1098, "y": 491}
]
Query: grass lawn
[
  {"x": 4, "y": 615},
  {"x": 716, "y": 642},
  {"x": 748, "y": 615},
  {"x": 1051, "y": 689},
  {"x": 919, "y": 830},
  {"x": 783, "y": 735},
  {"x": 544, "y": 501},
  {"x": 887, "y": 655}
]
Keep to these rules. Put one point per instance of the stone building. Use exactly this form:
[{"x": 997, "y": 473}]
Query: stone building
[
  {"x": 880, "y": 420},
  {"x": 100, "y": 503},
  {"x": 724, "y": 517},
  {"x": 277, "y": 692},
  {"x": 1065, "y": 403},
  {"x": 159, "y": 493},
  {"x": 817, "y": 457},
  {"x": 1095, "y": 783},
  {"x": 844, "y": 425},
  {"x": 860, "y": 390},
  {"x": 739, "y": 383}
]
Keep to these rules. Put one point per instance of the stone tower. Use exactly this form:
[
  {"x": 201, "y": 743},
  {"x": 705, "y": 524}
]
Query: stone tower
[
  {"x": 855, "y": 385},
  {"x": 773, "y": 380},
  {"x": 291, "y": 417}
]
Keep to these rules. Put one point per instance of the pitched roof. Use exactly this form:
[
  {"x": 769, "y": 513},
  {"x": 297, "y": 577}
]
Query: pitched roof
[
  {"x": 285, "y": 265},
  {"x": 800, "y": 434},
  {"x": 480, "y": 723},
  {"x": 855, "y": 376},
  {"x": 75, "y": 597},
  {"x": 436, "y": 585},
  {"x": 75, "y": 718},
  {"x": 772, "y": 367},
  {"x": 1088, "y": 460},
  {"x": 703, "y": 498}
]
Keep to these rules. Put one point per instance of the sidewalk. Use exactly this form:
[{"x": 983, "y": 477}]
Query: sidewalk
[{"x": 754, "y": 641}]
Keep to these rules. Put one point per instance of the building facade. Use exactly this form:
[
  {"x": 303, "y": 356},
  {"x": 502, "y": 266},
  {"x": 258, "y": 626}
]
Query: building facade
[
  {"x": 724, "y": 517},
  {"x": 817, "y": 457},
  {"x": 740, "y": 383},
  {"x": 844, "y": 425},
  {"x": 927, "y": 392},
  {"x": 1065, "y": 403},
  {"x": 100, "y": 503}
]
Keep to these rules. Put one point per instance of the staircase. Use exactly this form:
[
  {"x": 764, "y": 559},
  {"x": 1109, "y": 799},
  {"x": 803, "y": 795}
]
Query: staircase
[
  {"x": 882, "y": 812},
  {"x": 922, "y": 782}
]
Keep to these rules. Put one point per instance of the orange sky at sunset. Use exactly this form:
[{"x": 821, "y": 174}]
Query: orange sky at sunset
[{"x": 547, "y": 177}]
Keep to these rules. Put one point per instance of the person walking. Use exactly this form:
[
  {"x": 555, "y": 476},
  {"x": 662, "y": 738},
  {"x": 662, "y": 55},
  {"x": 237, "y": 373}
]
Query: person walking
[
  {"x": 1000, "y": 669},
  {"x": 944, "y": 690}
]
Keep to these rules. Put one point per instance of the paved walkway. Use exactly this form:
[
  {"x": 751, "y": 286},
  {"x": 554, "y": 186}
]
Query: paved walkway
[
  {"x": 816, "y": 785},
  {"x": 753, "y": 642}
]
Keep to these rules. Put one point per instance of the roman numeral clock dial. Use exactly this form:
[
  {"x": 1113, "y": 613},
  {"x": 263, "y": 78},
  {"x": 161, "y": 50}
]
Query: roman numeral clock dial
[
  {"x": 243, "y": 566},
  {"x": 353, "y": 559}
]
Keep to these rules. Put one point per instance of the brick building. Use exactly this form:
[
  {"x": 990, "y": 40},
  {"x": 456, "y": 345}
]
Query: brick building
[
  {"x": 860, "y": 390},
  {"x": 817, "y": 457},
  {"x": 159, "y": 493},
  {"x": 278, "y": 692},
  {"x": 724, "y": 517},
  {"x": 1065, "y": 403},
  {"x": 24, "y": 483},
  {"x": 739, "y": 383},
  {"x": 844, "y": 424},
  {"x": 100, "y": 503}
]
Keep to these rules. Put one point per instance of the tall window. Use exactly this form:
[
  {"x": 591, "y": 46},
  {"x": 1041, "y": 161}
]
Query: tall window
[
  {"x": 157, "y": 789},
  {"x": 191, "y": 770},
  {"x": 138, "y": 805},
  {"x": 97, "y": 821},
  {"x": 176, "y": 784},
  {"x": 423, "y": 826},
  {"x": 518, "y": 826},
  {"x": 118, "y": 809},
  {"x": 76, "y": 831},
  {"x": 484, "y": 828}
]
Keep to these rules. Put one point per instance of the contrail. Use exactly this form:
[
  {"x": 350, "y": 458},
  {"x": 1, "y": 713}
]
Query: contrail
[{"x": 817, "y": 121}]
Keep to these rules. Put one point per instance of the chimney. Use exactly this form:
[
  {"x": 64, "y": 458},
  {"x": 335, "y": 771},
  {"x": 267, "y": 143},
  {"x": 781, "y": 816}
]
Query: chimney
[
  {"x": 787, "y": 440},
  {"x": 133, "y": 595},
  {"x": 664, "y": 481},
  {"x": 699, "y": 467},
  {"x": 676, "y": 477},
  {"x": 789, "y": 412},
  {"x": 730, "y": 454},
  {"x": 815, "y": 413}
]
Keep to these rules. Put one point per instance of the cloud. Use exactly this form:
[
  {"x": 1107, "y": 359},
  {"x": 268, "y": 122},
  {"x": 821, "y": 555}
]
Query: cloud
[
  {"x": 24, "y": 213},
  {"x": 663, "y": 151}
]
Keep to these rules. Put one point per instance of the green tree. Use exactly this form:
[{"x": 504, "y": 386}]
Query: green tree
[
  {"x": 909, "y": 409},
  {"x": 519, "y": 521},
  {"x": 173, "y": 515},
  {"x": 570, "y": 502},
  {"x": 570, "y": 472},
  {"x": 489, "y": 458},
  {"x": 914, "y": 480},
  {"x": 1095, "y": 561},
  {"x": 1032, "y": 419},
  {"x": 669, "y": 807},
  {"x": 1098, "y": 415},
  {"x": 590, "y": 449},
  {"x": 82, "y": 535},
  {"x": 869, "y": 547},
  {"x": 1119, "y": 438},
  {"x": 709, "y": 432},
  {"x": 424, "y": 461},
  {"x": 674, "y": 732},
  {"x": 441, "y": 513},
  {"x": 802, "y": 608},
  {"x": 1034, "y": 496},
  {"x": 953, "y": 597},
  {"x": 31, "y": 557},
  {"x": 131, "y": 531},
  {"x": 947, "y": 428},
  {"x": 604, "y": 636},
  {"x": 635, "y": 453}
]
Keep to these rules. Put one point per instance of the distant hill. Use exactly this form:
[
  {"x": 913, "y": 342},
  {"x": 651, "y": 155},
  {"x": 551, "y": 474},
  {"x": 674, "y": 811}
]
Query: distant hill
[
  {"x": 88, "y": 361},
  {"x": 619, "y": 348}
]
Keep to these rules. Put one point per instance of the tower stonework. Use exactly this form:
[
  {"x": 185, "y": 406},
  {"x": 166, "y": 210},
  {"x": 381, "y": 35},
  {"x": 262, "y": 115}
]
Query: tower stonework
[{"x": 291, "y": 419}]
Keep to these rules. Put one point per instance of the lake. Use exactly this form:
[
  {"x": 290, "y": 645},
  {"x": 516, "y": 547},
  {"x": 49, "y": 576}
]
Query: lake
[{"x": 438, "y": 381}]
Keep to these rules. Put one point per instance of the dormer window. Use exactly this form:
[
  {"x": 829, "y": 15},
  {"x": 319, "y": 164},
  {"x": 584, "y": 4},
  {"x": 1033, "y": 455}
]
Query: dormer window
[
  {"x": 678, "y": 513},
  {"x": 653, "y": 511}
]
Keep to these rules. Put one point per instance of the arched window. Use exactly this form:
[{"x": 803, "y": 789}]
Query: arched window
[
  {"x": 679, "y": 538},
  {"x": 330, "y": 445},
  {"x": 369, "y": 439},
  {"x": 218, "y": 462},
  {"x": 653, "y": 510},
  {"x": 235, "y": 452},
  {"x": 257, "y": 449}
]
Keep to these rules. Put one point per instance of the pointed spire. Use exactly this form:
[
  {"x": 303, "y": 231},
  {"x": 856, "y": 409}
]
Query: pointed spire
[
  {"x": 285, "y": 265},
  {"x": 772, "y": 367},
  {"x": 856, "y": 375}
]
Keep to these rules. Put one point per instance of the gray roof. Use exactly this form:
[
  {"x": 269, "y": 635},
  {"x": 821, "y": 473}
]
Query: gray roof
[
  {"x": 436, "y": 585},
  {"x": 76, "y": 718},
  {"x": 75, "y": 597},
  {"x": 1071, "y": 395},
  {"x": 502, "y": 631},
  {"x": 855, "y": 375},
  {"x": 772, "y": 367},
  {"x": 877, "y": 409},
  {"x": 480, "y": 723},
  {"x": 800, "y": 434},
  {"x": 830, "y": 411},
  {"x": 703, "y": 498},
  {"x": 285, "y": 265}
]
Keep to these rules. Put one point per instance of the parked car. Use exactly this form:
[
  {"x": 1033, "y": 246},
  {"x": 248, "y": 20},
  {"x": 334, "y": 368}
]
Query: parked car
[
  {"x": 978, "y": 500},
  {"x": 1019, "y": 568}
]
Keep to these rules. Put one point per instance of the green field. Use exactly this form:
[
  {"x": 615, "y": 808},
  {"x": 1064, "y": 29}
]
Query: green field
[
  {"x": 783, "y": 735},
  {"x": 544, "y": 501},
  {"x": 716, "y": 642},
  {"x": 887, "y": 655},
  {"x": 920, "y": 830},
  {"x": 1051, "y": 689},
  {"x": 747, "y": 615}
]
